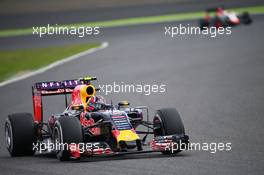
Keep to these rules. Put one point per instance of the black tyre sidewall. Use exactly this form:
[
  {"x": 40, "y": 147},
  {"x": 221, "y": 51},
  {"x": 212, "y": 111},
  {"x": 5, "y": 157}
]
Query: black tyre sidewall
[
  {"x": 70, "y": 131},
  {"x": 171, "y": 121},
  {"x": 246, "y": 19},
  {"x": 22, "y": 134},
  {"x": 171, "y": 124},
  {"x": 203, "y": 23}
]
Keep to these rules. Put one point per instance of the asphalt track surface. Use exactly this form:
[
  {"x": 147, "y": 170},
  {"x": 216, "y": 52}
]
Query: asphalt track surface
[{"x": 216, "y": 84}]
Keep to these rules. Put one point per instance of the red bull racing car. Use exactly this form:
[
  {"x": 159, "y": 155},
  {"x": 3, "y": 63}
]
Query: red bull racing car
[
  {"x": 91, "y": 127},
  {"x": 219, "y": 17}
]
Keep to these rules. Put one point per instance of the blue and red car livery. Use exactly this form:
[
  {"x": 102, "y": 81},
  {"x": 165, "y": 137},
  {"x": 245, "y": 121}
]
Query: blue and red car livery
[{"x": 89, "y": 126}]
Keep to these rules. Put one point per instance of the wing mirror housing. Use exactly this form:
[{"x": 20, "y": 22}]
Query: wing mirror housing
[{"x": 77, "y": 107}]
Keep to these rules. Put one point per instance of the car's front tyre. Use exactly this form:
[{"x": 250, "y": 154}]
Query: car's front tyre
[
  {"x": 245, "y": 18},
  {"x": 67, "y": 131},
  {"x": 167, "y": 121}
]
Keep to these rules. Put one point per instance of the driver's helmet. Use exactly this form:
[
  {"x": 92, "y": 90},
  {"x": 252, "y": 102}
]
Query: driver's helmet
[
  {"x": 95, "y": 103},
  {"x": 220, "y": 10}
]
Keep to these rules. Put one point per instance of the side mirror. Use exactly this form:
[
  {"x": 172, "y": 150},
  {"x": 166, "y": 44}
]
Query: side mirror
[
  {"x": 123, "y": 104},
  {"x": 77, "y": 107}
]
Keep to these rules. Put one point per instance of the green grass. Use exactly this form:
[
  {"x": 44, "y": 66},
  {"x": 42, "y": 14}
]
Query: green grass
[
  {"x": 135, "y": 21},
  {"x": 18, "y": 61}
]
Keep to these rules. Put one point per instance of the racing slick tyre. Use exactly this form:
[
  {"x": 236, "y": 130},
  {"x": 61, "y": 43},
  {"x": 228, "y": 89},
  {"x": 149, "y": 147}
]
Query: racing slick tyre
[
  {"x": 67, "y": 131},
  {"x": 20, "y": 134},
  {"x": 167, "y": 121},
  {"x": 203, "y": 23},
  {"x": 245, "y": 18}
]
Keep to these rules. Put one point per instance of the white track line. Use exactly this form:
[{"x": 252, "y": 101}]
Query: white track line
[{"x": 57, "y": 63}]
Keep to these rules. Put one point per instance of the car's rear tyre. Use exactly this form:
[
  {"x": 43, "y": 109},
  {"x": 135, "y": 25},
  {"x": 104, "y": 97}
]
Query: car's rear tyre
[
  {"x": 203, "y": 24},
  {"x": 167, "y": 121},
  {"x": 20, "y": 134},
  {"x": 67, "y": 130}
]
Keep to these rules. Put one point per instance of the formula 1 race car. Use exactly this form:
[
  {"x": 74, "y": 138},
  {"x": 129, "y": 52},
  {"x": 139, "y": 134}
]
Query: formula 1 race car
[
  {"x": 91, "y": 127},
  {"x": 219, "y": 17}
]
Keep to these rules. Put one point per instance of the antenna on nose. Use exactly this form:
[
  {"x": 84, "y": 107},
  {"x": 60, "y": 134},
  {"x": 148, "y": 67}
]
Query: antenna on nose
[{"x": 112, "y": 107}]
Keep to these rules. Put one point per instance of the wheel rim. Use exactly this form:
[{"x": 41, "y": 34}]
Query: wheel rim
[
  {"x": 8, "y": 136},
  {"x": 57, "y": 138}
]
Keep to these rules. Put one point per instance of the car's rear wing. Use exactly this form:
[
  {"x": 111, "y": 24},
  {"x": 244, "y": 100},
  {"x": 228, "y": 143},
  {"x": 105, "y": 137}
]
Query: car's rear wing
[
  {"x": 49, "y": 88},
  {"x": 60, "y": 87}
]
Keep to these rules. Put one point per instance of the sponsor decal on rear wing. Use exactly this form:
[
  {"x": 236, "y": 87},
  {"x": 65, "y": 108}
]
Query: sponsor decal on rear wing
[{"x": 60, "y": 87}]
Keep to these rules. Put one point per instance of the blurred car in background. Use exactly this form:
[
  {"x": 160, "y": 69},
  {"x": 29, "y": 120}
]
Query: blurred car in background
[{"x": 219, "y": 17}]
